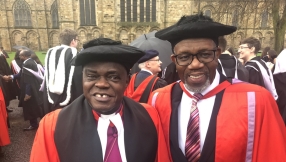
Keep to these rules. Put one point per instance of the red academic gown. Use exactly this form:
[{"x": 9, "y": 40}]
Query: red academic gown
[
  {"x": 45, "y": 149},
  {"x": 4, "y": 134},
  {"x": 143, "y": 90},
  {"x": 245, "y": 125}
]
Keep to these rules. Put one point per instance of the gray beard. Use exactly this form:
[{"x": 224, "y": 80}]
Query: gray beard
[{"x": 198, "y": 89}]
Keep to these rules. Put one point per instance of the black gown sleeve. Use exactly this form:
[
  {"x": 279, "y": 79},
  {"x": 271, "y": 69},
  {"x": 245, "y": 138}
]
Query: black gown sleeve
[{"x": 159, "y": 84}]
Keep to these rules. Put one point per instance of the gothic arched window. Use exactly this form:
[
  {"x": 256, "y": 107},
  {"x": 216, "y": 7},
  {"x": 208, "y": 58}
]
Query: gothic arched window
[
  {"x": 54, "y": 13},
  {"x": 22, "y": 14},
  {"x": 87, "y": 12},
  {"x": 128, "y": 2},
  {"x": 264, "y": 19},
  {"x": 122, "y": 10},
  {"x": 135, "y": 10},
  {"x": 235, "y": 17},
  {"x": 208, "y": 13},
  {"x": 138, "y": 10}
]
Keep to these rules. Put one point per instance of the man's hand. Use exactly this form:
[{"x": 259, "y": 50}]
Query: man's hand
[
  {"x": 7, "y": 78},
  {"x": 27, "y": 97}
]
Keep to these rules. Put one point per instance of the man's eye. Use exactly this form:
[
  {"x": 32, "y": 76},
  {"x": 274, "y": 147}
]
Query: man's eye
[
  {"x": 205, "y": 55},
  {"x": 90, "y": 76},
  {"x": 114, "y": 77},
  {"x": 183, "y": 57}
]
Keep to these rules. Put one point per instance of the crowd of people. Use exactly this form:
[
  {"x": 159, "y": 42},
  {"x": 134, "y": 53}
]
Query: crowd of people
[{"x": 212, "y": 103}]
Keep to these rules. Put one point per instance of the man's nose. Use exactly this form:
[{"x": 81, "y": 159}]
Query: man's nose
[
  {"x": 102, "y": 83},
  {"x": 196, "y": 64}
]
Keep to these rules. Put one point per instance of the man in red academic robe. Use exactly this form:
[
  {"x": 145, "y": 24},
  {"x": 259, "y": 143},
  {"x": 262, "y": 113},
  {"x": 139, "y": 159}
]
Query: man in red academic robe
[
  {"x": 143, "y": 83},
  {"x": 4, "y": 134},
  {"x": 206, "y": 117},
  {"x": 102, "y": 124}
]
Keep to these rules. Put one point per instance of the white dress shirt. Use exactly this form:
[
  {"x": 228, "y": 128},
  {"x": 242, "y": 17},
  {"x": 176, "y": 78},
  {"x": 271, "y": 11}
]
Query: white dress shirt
[{"x": 205, "y": 107}]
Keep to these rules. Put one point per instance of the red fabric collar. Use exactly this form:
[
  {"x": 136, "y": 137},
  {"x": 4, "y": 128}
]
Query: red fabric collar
[{"x": 213, "y": 92}]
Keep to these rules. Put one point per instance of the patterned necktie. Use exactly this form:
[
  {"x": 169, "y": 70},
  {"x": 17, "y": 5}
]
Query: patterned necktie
[{"x": 192, "y": 148}]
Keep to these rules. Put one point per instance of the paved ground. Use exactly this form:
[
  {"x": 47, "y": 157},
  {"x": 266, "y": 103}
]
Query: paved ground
[{"x": 21, "y": 142}]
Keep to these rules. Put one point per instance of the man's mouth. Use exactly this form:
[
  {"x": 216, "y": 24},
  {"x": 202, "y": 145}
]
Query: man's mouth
[
  {"x": 196, "y": 76},
  {"x": 102, "y": 95}
]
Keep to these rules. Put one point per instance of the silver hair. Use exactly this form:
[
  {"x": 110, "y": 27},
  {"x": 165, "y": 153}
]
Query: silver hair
[{"x": 141, "y": 65}]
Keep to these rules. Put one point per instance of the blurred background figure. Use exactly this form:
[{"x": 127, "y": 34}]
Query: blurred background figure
[
  {"x": 4, "y": 134},
  {"x": 259, "y": 73},
  {"x": 146, "y": 80},
  {"x": 61, "y": 83},
  {"x": 39, "y": 63},
  {"x": 170, "y": 74},
  {"x": 8, "y": 88},
  {"x": 228, "y": 63},
  {"x": 264, "y": 54},
  {"x": 271, "y": 55},
  {"x": 16, "y": 66},
  {"x": 149, "y": 41},
  {"x": 4, "y": 52},
  {"x": 279, "y": 76}
]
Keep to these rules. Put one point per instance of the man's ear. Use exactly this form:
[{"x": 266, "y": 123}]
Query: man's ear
[
  {"x": 173, "y": 58},
  {"x": 252, "y": 49}
]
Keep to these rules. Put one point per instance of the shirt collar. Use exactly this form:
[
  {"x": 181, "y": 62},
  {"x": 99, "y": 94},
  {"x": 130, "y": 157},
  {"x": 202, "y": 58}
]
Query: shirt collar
[{"x": 147, "y": 71}]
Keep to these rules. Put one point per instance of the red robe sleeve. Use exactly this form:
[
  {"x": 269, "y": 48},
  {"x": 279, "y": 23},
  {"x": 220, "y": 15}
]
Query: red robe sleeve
[
  {"x": 4, "y": 134},
  {"x": 162, "y": 151},
  {"x": 44, "y": 148}
]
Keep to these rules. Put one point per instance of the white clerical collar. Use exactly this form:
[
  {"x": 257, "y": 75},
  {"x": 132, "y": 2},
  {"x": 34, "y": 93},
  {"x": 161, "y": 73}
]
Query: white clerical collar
[
  {"x": 147, "y": 71},
  {"x": 214, "y": 84},
  {"x": 107, "y": 116}
]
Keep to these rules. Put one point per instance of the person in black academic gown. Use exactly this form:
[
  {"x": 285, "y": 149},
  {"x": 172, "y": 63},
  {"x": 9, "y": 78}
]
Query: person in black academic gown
[
  {"x": 229, "y": 65},
  {"x": 61, "y": 84},
  {"x": 102, "y": 124},
  {"x": 279, "y": 76},
  {"x": 16, "y": 66},
  {"x": 8, "y": 88},
  {"x": 170, "y": 74},
  {"x": 259, "y": 73},
  {"x": 30, "y": 84}
]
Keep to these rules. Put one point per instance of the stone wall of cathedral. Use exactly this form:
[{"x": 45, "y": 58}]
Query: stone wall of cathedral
[{"x": 42, "y": 34}]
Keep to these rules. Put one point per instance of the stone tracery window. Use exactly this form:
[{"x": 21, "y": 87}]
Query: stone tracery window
[
  {"x": 264, "y": 19},
  {"x": 22, "y": 14},
  {"x": 87, "y": 12},
  {"x": 54, "y": 14},
  {"x": 129, "y": 10},
  {"x": 235, "y": 17}
]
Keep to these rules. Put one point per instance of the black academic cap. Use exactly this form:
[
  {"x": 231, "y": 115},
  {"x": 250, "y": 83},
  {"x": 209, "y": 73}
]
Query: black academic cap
[
  {"x": 148, "y": 55},
  {"x": 194, "y": 26},
  {"x": 105, "y": 49}
]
